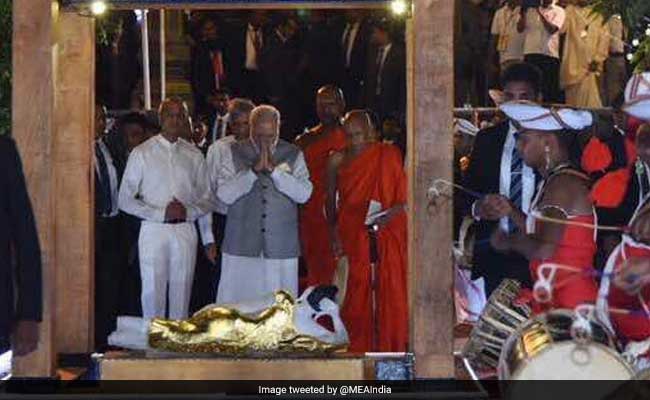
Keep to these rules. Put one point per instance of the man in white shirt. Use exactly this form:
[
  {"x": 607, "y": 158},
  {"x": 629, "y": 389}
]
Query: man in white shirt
[
  {"x": 165, "y": 185},
  {"x": 509, "y": 42},
  {"x": 262, "y": 184},
  {"x": 541, "y": 28},
  {"x": 218, "y": 159}
]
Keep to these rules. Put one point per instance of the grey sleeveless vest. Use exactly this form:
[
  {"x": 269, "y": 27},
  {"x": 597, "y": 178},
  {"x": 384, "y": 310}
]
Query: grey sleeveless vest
[{"x": 264, "y": 221}]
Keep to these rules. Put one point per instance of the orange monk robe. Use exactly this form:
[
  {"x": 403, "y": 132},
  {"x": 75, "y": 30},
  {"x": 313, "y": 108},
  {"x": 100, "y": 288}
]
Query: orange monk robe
[
  {"x": 314, "y": 236},
  {"x": 376, "y": 174}
]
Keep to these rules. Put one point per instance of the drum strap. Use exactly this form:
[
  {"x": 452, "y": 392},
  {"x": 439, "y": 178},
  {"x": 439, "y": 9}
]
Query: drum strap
[{"x": 602, "y": 306}]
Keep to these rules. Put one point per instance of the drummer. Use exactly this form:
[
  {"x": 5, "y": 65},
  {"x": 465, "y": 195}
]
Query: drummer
[
  {"x": 630, "y": 261},
  {"x": 557, "y": 235}
]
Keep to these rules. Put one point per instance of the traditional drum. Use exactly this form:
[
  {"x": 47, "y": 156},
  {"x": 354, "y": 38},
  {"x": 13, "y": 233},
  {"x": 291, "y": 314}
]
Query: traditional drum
[
  {"x": 547, "y": 347},
  {"x": 497, "y": 323}
]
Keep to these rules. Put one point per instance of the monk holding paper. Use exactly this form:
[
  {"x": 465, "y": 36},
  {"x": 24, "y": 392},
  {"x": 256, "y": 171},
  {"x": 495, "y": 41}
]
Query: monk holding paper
[{"x": 368, "y": 226}]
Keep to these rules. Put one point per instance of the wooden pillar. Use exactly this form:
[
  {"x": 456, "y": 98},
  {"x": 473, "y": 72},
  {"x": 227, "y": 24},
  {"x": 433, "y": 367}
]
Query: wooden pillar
[
  {"x": 430, "y": 102},
  {"x": 32, "y": 127},
  {"x": 74, "y": 206},
  {"x": 53, "y": 108}
]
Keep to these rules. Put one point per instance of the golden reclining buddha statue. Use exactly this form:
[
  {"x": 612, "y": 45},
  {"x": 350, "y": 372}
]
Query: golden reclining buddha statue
[{"x": 276, "y": 324}]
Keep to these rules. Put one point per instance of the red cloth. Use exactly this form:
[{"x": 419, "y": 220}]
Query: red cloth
[
  {"x": 633, "y": 126},
  {"x": 576, "y": 249},
  {"x": 609, "y": 191},
  {"x": 596, "y": 156},
  {"x": 314, "y": 235},
  {"x": 630, "y": 327},
  {"x": 376, "y": 174}
]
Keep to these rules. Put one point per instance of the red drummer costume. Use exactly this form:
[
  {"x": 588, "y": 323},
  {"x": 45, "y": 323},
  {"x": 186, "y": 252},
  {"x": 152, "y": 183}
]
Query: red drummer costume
[{"x": 628, "y": 312}]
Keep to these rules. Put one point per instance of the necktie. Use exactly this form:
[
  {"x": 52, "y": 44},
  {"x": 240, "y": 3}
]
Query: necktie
[
  {"x": 380, "y": 59},
  {"x": 516, "y": 184},
  {"x": 104, "y": 182},
  {"x": 217, "y": 133},
  {"x": 346, "y": 43}
]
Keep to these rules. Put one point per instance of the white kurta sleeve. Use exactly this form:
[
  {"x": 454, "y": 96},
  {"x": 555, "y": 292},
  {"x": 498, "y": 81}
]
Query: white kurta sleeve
[
  {"x": 205, "y": 229},
  {"x": 212, "y": 163},
  {"x": 231, "y": 185},
  {"x": 129, "y": 200},
  {"x": 202, "y": 204},
  {"x": 296, "y": 183}
]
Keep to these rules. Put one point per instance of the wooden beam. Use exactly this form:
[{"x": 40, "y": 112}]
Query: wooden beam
[
  {"x": 243, "y": 5},
  {"x": 430, "y": 103},
  {"x": 74, "y": 210},
  {"x": 32, "y": 127}
]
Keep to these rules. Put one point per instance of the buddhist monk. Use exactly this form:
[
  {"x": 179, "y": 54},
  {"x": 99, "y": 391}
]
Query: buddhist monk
[
  {"x": 318, "y": 144},
  {"x": 369, "y": 182}
]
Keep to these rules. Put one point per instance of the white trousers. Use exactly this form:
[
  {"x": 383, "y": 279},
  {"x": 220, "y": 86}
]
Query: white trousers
[
  {"x": 167, "y": 257},
  {"x": 245, "y": 279}
]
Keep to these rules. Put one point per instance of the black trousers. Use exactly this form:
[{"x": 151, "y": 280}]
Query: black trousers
[
  {"x": 550, "y": 67},
  {"x": 207, "y": 275},
  {"x": 110, "y": 275}
]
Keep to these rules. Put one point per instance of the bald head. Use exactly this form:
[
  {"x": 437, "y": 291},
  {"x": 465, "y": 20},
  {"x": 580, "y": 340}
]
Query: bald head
[
  {"x": 174, "y": 119},
  {"x": 358, "y": 128},
  {"x": 265, "y": 125},
  {"x": 330, "y": 104}
]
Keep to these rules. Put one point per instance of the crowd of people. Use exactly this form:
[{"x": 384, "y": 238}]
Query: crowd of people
[
  {"x": 186, "y": 221},
  {"x": 559, "y": 200},
  {"x": 582, "y": 57},
  {"x": 282, "y": 58}
]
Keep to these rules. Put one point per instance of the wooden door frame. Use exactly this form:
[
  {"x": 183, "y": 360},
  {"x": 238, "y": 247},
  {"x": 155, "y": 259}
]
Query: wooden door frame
[{"x": 53, "y": 124}]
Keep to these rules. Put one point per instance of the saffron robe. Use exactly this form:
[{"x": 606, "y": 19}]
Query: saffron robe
[
  {"x": 376, "y": 174},
  {"x": 314, "y": 236}
]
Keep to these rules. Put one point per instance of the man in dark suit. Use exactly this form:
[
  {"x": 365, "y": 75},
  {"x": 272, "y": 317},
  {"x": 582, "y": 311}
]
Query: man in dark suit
[
  {"x": 110, "y": 257},
  {"x": 208, "y": 70},
  {"x": 355, "y": 43},
  {"x": 496, "y": 167},
  {"x": 245, "y": 47},
  {"x": 279, "y": 63},
  {"x": 385, "y": 84},
  {"x": 20, "y": 257}
]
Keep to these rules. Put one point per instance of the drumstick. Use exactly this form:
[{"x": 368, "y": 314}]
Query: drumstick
[{"x": 434, "y": 191}]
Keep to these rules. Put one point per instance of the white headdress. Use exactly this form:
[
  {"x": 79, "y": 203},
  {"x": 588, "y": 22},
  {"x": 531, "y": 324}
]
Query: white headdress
[
  {"x": 529, "y": 115},
  {"x": 637, "y": 96}
]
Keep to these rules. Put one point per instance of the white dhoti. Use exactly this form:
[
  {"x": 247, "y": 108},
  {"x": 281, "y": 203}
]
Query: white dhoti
[
  {"x": 167, "y": 257},
  {"x": 250, "y": 278}
]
